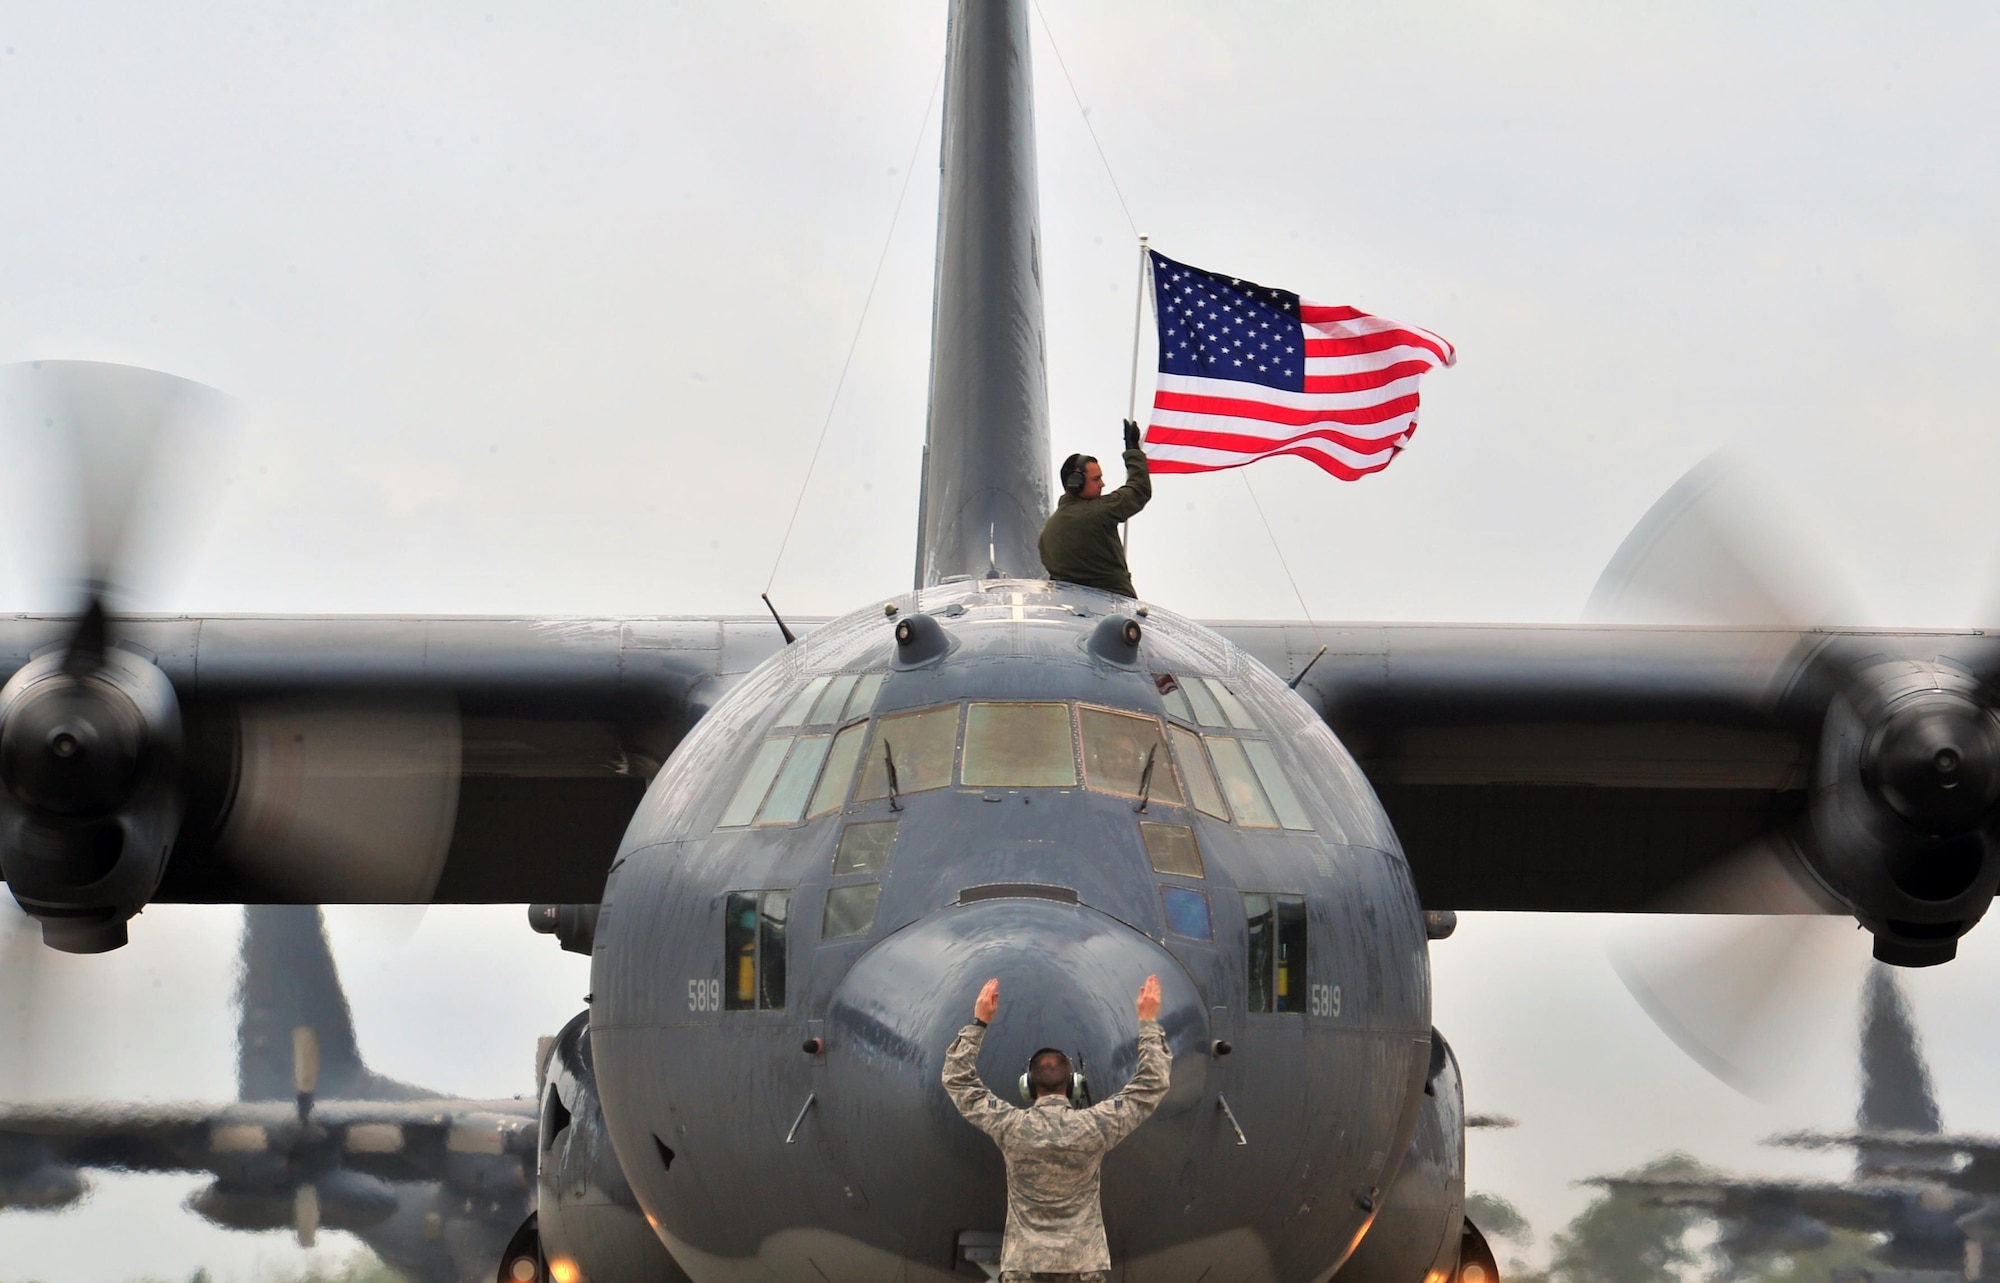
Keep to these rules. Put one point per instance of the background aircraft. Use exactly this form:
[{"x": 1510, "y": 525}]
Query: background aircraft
[
  {"x": 433, "y": 1184},
  {"x": 1625, "y": 474}
]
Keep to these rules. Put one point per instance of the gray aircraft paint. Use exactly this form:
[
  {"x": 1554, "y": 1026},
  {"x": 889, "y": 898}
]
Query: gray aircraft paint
[{"x": 986, "y": 447}]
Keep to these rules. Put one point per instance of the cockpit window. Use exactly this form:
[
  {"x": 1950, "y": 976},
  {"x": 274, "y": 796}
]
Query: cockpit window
[
  {"x": 839, "y": 772},
  {"x": 1239, "y": 783},
  {"x": 1019, "y": 746},
  {"x": 850, "y": 911},
  {"x": 1187, "y": 912},
  {"x": 1232, "y": 707},
  {"x": 1285, "y": 801},
  {"x": 756, "y": 782},
  {"x": 786, "y": 801},
  {"x": 919, "y": 745},
  {"x": 795, "y": 712},
  {"x": 1201, "y": 780},
  {"x": 864, "y": 848},
  {"x": 863, "y": 701},
  {"x": 1124, "y": 754},
  {"x": 827, "y": 708},
  {"x": 1171, "y": 848},
  {"x": 1206, "y": 710},
  {"x": 1172, "y": 696}
]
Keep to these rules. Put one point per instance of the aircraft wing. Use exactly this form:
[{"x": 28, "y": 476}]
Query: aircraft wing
[
  {"x": 1599, "y": 768},
  {"x": 394, "y": 1140},
  {"x": 1777, "y": 1203},
  {"x": 391, "y": 759},
  {"x": 1964, "y": 1161}
]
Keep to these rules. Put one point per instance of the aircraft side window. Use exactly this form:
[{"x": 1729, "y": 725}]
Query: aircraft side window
[
  {"x": 1239, "y": 783},
  {"x": 1277, "y": 961},
  {"x": 756, "y": 782},
  {"x": 1171, "y": 848},
  {"x": 1232, "y": 707},
  {"x": 920, "y": 744},
  {"x": 1206, "y": 710},
  {"x": 839, "y": 772},
  {"x": 1187, "y": 912},
  {"x": 1200, "y": 779},
  {"x": 1172, "y": 696},
  {"x": 863, "y": 701},
  {"x": 795, "y": 712},
  {"x": 1284, "y": 799},
  {"x": 850, "y": 911},
  {"x": 827, "y": 708},
  {"x": 753, "y": 950},
  {"x": 1019, "y": 746},
  {"x": 1116, "y": 750},
  {"x": 786, "y": 802}
]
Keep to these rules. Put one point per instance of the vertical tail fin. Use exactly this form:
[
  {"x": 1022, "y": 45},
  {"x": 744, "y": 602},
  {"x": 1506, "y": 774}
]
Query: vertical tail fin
[
  {"x": 289, "y": 982},
  {"x": 986, "y": 446},
  {"x": 1896, "y": 1093}
]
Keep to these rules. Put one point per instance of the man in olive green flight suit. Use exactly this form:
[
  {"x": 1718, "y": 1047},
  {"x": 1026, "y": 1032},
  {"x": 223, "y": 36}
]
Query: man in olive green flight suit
[
  {"x": 1079, "y": 541},
  {"x": 1055, "y": 1216}
]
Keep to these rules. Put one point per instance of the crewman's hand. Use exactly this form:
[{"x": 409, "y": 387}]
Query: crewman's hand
[
  {"x": 1131, "y": 434},
  {"x": 988, "y": 1002},
  {"x": 1149, "y": 999}
]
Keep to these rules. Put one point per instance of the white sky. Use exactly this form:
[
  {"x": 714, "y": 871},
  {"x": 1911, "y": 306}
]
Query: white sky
[{"x": 539, "y": 310}]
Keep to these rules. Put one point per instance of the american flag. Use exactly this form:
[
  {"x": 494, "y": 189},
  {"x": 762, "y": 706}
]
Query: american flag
[{"x": 1247, "y": 372}]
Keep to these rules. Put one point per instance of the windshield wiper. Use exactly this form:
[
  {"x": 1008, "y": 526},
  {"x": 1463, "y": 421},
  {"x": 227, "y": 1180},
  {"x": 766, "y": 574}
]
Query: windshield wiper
[
  {"x": 889, "y": 760},
  {"x": 1146, "y": 778}
]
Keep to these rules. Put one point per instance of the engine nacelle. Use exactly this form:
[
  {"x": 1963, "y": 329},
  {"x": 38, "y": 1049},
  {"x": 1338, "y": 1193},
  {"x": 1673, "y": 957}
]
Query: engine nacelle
[
  {"x": 90, "y": 764},
  {"x": 31, "y": 1180},
  {"x": 586, "y": 1213},
  {"x": 1903, "y": 815},
  {"x": 1418, "y": 1231},
  {"x": 342, "y": 1200}
]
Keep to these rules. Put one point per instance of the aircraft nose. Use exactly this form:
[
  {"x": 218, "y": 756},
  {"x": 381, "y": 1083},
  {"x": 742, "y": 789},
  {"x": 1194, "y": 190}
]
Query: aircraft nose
[{"x": 1068, "y": 977}]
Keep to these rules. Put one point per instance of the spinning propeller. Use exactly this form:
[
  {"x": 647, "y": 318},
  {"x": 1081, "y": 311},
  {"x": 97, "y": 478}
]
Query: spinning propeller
[{"x": 1900, "y": 829}]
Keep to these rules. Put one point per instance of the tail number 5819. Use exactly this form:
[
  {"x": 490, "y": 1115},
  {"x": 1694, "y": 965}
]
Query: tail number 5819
[{"x": 704, "y": 995}]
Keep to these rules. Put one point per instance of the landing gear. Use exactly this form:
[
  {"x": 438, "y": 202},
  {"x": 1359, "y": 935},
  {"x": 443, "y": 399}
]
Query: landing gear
[
  {"x": 522, "y": 1261},
  {"x": 1475, "y": 1259}
]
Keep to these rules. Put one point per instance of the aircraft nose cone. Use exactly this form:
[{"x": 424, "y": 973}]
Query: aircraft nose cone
[{"x": 1068, "y": 976}]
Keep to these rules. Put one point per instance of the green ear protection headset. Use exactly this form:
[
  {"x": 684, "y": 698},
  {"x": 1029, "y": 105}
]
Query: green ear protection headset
[{"x": 1077, "y": 1089}]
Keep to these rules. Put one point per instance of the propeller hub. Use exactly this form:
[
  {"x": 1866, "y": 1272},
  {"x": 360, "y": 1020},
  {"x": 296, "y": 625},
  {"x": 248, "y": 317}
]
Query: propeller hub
[
  {"x": 1936, "y": 761},
  {"x": 72, "y": 747}
]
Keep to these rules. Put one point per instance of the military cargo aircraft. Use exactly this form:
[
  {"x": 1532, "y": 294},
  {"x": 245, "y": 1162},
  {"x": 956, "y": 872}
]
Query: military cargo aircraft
[
  {"x": 800, "y": 858},
  {"x": 1929, "y": 1194},
  {"x": 435, "y": 1185}
]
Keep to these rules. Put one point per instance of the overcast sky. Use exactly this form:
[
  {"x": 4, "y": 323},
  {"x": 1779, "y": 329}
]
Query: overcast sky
[{"x": 540, "y": 310}]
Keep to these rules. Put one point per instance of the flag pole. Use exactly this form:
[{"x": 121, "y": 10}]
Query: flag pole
[{"x": 1132, "y": 401}]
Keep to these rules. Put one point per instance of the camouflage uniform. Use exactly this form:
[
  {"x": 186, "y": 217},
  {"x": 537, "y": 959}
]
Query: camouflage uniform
[
  {"x": 1079, "y": 542},
  {"x": 1055, "y": 1220}
]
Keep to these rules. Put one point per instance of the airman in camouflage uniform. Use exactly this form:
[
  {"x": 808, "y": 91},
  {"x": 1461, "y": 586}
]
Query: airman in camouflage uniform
[
  {"x": 1079, "y": 542},
  {"x": 1055, "y": 1219}
]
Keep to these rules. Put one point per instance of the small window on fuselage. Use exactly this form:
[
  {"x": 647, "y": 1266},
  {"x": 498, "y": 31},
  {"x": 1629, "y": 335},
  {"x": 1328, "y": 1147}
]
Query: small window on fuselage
[
  {"x": 1276, "y": 971},
  {"x": 753, "y": 950}
]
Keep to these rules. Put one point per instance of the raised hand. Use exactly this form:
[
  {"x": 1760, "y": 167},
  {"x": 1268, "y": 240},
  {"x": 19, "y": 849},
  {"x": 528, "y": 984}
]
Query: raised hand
[
  {"x": 988, "y": 1002},
  {"x": 1131, "y": 435},
  {"x": 1149, "y": 999}
]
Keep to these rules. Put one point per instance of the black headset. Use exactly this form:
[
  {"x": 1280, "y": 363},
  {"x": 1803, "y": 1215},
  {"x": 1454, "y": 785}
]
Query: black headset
[
  {"x": 1073, "y": 475},
  {"x": 1077, "y": 1089}
]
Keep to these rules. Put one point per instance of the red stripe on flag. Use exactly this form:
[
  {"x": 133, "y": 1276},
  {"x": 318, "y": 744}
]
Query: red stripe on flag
[
  {"x": 1243, "y": 443},
  {"x": 1265, "y": 412},
  {"x": 1320, "y": 459},
  {"x": 1380, "y": 341},
  {"x": 1320, "y": 313},
  {"x": 1366, "y": 380}
]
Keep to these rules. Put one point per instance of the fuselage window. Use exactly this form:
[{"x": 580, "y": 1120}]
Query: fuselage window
[
  {"x": 827, "y": 709},
  {"x": 839, "y": 772},
  {"x": 919, "y": 746},
  {"x": 1277, "y": 936},
  {"x": 1239, "y": 783},
  {"x": 756, "y": 782},
  {"x": 1171, "y": 848},
  {"x": 786, "y": 802},
  {"x": 795, "y": 712},
  {"x": 1232, "y": 707},
  {"x": 1201, "y": 780},
  {"x": 864, "y": 848},
  {"x": 1019, "y": 746},
  {"x": 1284, "y": 799},
  {"x": 1172, "y": 696},
  {"x": 850, "y": 911},
  {"x": 753, "y": 950},
  {"x": 1187, "y": 912},
  {"x": 1124, "y": 754}
]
